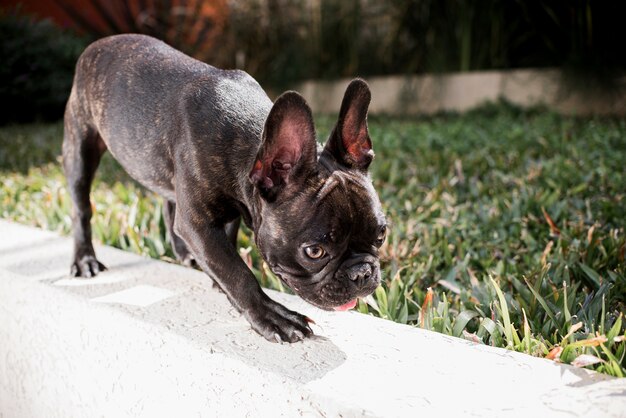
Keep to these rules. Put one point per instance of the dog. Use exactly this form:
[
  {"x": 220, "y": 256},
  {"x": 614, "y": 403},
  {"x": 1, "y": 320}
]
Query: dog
[{"x": 216, "y": 148}]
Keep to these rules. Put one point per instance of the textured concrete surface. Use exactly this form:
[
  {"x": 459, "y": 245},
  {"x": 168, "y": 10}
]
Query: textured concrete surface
[
  {"x": 431, "y": 93},
  {"x": 147, "y": 338}
]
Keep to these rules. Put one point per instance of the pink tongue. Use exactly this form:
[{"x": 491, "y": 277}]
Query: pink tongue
[{"x": 347, "y": 306}]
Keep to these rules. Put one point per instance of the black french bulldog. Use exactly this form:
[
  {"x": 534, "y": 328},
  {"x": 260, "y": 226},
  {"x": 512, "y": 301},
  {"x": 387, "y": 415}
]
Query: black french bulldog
[{"x": 213, "y": 145}]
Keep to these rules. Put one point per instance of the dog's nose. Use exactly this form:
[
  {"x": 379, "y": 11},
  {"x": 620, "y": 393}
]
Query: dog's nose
[{"x": 360, "y": 272}]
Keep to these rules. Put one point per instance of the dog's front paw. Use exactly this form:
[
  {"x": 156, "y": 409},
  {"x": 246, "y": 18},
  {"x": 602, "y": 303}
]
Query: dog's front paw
[
  {"x": 86, "y": 266},
  {"x": 277, "y": 323}
]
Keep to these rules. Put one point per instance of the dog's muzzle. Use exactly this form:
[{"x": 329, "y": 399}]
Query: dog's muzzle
[{"x": 361, "y": 269}]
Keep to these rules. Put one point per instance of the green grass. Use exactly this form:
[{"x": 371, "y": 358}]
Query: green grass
[{"x": 507, "y": 227}]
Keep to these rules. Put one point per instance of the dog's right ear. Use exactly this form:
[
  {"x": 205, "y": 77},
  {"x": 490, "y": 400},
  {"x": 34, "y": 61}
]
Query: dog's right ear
[
  {"x": 288, "y": 149},
  {"x": 350, "y": 142}
]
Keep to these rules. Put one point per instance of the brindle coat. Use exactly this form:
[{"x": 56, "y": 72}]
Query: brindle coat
[{"x": 214, "y": 146}]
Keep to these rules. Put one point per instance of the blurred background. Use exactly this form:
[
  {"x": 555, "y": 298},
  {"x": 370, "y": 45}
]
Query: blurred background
[
  {"x": 499, "y": 128},
  {"x": 282, "y": 42}
]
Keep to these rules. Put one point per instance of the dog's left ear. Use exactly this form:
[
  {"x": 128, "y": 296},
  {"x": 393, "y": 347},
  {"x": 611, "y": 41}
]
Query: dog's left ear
[
  {"x": 350, "y": 142},
  {"x": 288, "y": 150}
]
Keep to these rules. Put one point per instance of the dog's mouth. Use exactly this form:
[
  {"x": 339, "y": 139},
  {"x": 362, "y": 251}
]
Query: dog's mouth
[
  {"x": 351, "y": 304},
  {"x": 337, "y": 302},
  {"x": 333, "y": 293},
  {"x": 346, "y": 306}
]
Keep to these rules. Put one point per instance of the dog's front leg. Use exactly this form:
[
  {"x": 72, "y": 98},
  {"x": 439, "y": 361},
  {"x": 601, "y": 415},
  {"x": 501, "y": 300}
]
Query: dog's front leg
[{"x": 219, "y": 259}]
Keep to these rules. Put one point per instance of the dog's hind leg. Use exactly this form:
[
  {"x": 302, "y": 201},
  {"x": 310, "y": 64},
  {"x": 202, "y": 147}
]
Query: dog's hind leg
[
  {"x": 180, "y": 248},
  {"x": 82, "y": 150}
]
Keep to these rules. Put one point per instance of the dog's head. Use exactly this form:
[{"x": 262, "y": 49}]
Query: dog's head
[{"x": 321, "y": 222}]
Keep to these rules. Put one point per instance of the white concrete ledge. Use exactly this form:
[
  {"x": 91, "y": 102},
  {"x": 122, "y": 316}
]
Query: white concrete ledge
[
  {"x": 147, "y": 338},
  {"x": 431, "y": 93}
]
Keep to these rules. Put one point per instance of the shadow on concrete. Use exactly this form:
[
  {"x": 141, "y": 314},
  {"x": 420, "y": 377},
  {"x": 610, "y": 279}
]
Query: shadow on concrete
[
  {"x": 587, "y": 377},
  {"x": 195, "y": 311},
  {"x": 204, "y": 317}
]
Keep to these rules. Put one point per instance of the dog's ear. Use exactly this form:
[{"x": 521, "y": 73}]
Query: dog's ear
[
  {"x": 288, "y": 150},
  {"x": 350, "y": 142}
]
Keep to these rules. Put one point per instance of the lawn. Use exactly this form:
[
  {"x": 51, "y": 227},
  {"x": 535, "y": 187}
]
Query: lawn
[{"x": 507, "y": 226}]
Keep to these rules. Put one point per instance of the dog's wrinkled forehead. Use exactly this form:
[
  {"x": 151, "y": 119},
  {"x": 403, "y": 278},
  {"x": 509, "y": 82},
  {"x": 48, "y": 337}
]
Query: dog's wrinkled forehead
[
  {"x": 334, "y": 199},
  {"x": 354, "y": 188},
  {"x": 346, "y": 182},
  {"x": 329, "y": 184}
]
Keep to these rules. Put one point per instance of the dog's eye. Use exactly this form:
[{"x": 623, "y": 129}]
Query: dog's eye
[
  {"x": 382, "y": 234},
  {"x": 314, "y": 251}
]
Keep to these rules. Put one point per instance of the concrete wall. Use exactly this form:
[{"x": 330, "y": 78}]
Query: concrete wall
[
  {"x": 152, "y": 339},
  {"x": 427, "y": 94}
]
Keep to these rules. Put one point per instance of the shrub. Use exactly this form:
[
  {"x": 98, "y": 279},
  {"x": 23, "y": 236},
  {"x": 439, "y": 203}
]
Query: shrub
[{"x": 37, "y": 69}]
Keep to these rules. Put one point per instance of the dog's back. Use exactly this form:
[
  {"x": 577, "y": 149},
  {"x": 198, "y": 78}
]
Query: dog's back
[{"x": 141, "y": 96}]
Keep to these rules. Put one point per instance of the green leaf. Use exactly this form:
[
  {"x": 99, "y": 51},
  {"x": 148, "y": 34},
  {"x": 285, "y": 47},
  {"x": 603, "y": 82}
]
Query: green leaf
[
  {"x": 493, "y": 330},
  {"x": 461, "y": 321},
  {"x": 541, "y": 301},
  {"x": 615, "y": 330},
  {"x": 508, "y": 327},
  {"x": 566, "y": 313},
  {"x": 381, "y": 298},
  {"x": 595, "y": 278},
  {"x": 404, "y": 313},
  {"x": 616, "y": 366}
]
